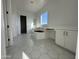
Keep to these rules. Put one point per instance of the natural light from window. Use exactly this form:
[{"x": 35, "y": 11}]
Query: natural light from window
[{"x": 44, "y": 19}]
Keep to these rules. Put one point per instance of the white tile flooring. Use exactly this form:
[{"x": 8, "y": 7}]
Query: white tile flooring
[{"x": 37, "y": 49}]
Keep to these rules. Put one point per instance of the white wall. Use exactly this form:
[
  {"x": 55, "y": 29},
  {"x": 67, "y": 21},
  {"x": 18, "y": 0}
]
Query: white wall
[
  {"x": 37, "y": 20},
  {"x": 29, "y": 18},
  {"x": 14, "y": 19},
  {"x": 15, "y": 25},
  {"x": 76, "y": 56},
  {"x": 3, "y": 48},
  {"x": 5, "y": 22},
  {"x": 61, "y": 13},
  {"x": 9, "y": 22}
]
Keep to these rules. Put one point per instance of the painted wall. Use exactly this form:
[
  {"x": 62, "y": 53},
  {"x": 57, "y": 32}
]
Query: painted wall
[
  {"x": 62, "y": 13},
  {"x": 30, "y": 18},
  {"x": 5, "y": 22},
  {"x": 14, "y": 19},
  {"x": 3, "y": 50},
  {"x": 37, "y": 20},
  {"x": 3, "y": 47},
  {"x": 15, "y": 25},
  {"x": 76, "y": 56}
]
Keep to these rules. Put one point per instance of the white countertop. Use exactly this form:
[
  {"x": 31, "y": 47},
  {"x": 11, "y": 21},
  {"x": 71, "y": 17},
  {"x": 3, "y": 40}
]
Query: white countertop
[{"x": 64, "y": 28}]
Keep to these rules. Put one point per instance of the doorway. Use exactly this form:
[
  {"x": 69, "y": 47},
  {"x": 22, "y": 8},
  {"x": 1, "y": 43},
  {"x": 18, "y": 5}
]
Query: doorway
[{"x": 23, "y": 24}]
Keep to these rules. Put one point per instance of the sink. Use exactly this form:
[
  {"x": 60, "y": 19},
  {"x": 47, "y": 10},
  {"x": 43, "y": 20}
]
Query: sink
[{"x": 38, "y": 31}]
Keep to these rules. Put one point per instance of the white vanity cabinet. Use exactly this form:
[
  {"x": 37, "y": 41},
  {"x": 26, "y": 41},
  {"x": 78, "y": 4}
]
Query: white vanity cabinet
[
  {"x": 67, "y": 39},
  {"x": 50, "y": 34},
  {"x": 60, "y": 37},
  {"x": 40, "y": 35},
  {"x": 71, "y": 40}
]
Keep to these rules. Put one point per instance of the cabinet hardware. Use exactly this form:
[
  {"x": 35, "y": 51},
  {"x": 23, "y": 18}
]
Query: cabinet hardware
[
  {"x": 66, "y": 33},
  {"x": 6, "y": 12}
]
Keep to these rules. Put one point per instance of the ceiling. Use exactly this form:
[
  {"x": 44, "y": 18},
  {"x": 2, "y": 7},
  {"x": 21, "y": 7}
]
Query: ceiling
[{"x": 30, "y": 5}]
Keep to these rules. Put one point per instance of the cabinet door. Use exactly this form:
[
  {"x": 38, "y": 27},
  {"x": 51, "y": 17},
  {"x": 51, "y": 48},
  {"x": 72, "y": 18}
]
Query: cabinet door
[
  {"x": 52, "y": 34},
  {"x": 75, "y": 33},
  {"x": 70, "y": 40},
  {"x": 47, "y": 34},
  {"x": 60, "y": 37}
]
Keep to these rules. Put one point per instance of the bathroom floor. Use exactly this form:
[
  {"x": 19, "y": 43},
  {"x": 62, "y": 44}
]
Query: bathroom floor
[{"x": 27, "y": 47}]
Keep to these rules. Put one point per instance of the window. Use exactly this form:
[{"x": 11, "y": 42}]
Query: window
[{"x": 44, "y": 19}]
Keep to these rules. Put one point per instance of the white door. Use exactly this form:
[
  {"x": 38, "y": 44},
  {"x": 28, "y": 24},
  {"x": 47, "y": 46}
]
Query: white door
[
  {"x": 70, "y": 40},
  {"x": 60, "y": 37}
]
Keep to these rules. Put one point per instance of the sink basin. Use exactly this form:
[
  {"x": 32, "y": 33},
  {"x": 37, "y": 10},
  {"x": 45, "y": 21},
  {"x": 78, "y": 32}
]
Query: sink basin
[{"x": 39, "y": 31}]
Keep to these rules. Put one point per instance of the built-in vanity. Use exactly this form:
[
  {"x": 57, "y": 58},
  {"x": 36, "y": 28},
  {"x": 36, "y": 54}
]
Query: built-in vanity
[
  {"x": 63, "y": 36},
  {"x": 66, "y": 38},
  {"x": 44, "y": 33}
]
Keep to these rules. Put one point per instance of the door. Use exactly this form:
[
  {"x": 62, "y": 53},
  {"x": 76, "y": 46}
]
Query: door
[
  {"x": 23, "y": 24},
  {"x": 60, "y": 37}
]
